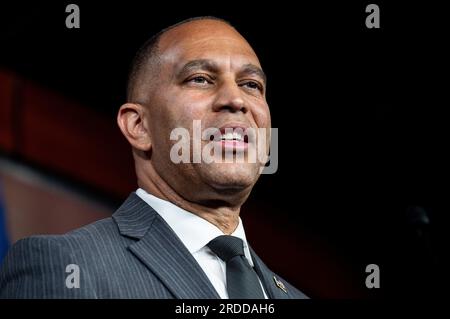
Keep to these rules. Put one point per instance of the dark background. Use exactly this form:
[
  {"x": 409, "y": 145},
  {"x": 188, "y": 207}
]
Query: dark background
[{"x": 362, "y": 117}]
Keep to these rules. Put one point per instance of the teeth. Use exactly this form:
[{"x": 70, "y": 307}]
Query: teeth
[
  {"x": 238, "y": 136},
  {"x": 232, "y": 136}
]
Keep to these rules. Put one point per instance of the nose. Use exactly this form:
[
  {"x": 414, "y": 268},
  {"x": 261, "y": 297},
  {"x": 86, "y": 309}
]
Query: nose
[{"x": 229, "y": 98}]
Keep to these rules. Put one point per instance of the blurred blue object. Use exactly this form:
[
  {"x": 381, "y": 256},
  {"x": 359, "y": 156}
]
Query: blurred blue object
[{"x": 4, "y": 241}]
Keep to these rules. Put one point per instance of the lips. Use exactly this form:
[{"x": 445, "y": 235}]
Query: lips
[
  {"x": 234, "y": 131},
  {"x": 234, "y": 136}
]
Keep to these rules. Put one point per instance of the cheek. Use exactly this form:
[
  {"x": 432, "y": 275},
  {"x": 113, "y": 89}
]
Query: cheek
[
  {"x": 261, "y": 115},
  {"x": 186, "y": 107}
]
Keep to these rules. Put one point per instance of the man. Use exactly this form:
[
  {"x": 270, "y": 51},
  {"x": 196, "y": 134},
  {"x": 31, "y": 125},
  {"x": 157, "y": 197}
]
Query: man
[{"x": 179, "y": 235}]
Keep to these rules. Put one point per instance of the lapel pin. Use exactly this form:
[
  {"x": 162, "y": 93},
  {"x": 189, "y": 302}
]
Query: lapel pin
[{"x": 279, "y": 284}]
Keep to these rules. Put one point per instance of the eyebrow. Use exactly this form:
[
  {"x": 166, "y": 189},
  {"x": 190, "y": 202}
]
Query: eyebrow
[
  {"x": 254, "y": 70},
  {"x": 195, "y": 65},
  {"x": 211, "y": 66}
]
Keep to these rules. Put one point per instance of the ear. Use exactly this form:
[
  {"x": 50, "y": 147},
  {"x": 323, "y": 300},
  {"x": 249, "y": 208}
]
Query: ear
[{"x": 130, "y": 119}]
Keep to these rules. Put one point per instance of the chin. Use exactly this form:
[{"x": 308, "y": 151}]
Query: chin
[{"x": 233, "y": 176}]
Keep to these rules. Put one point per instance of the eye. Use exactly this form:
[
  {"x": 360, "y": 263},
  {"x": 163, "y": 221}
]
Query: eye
[
  {"x": 253, "y": 85},
  {"x": 199, "y": 79}
]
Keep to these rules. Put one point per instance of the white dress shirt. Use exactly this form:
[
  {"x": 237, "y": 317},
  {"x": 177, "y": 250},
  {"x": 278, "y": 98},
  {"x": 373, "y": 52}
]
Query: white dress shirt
[{"x": 195, "y": 232}]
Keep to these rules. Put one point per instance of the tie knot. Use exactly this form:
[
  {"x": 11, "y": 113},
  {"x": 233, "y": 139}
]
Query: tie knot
[{"x": 227, "y": 247}]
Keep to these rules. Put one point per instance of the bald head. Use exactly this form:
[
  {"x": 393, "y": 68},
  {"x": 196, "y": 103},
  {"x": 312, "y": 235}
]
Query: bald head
[{"x": 146, "y": 65}]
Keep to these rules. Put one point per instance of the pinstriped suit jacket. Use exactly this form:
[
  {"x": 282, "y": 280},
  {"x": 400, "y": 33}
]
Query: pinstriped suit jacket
[{"x": 133, "y": 254}]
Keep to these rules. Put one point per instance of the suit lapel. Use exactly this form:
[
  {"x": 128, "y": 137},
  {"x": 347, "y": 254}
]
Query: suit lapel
[
  {"x": 268, "y": 278},
  {"x": 159, "y": 249}
]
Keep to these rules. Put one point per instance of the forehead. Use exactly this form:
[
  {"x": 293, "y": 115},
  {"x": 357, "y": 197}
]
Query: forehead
[{"x": 206, "y": 39}]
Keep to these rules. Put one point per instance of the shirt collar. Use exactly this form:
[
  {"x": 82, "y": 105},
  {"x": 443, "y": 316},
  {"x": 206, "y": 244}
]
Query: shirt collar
[{"x": 194, "y": 231}]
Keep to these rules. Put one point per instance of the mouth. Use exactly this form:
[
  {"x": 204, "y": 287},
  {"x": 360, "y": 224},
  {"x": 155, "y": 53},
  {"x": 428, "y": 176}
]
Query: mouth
[{"x": 233, "y": 136}]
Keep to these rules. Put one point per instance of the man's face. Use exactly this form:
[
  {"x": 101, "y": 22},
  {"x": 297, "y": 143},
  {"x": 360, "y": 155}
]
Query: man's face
[{"x": 208, "y": 72}]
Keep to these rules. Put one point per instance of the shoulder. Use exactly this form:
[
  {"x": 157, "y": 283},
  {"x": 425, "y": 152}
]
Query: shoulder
[
  {"x": 38, "y": 266},
  {"x": 35, "y": 267},
  {"x": 82, "y": 240}
]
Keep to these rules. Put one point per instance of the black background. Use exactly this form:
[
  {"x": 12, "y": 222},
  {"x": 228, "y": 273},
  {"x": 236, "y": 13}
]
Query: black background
[{"x": 362, "y": 113}]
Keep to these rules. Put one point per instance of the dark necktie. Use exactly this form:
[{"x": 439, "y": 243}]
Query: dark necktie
[{"x": 242, "y": 280}]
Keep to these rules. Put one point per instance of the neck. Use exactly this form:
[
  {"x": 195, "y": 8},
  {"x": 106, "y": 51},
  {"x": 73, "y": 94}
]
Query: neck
[{"x": 218, "y": 212}]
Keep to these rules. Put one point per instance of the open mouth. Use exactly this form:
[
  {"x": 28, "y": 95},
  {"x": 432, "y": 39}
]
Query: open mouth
[{"x": 233, "y": 136}]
